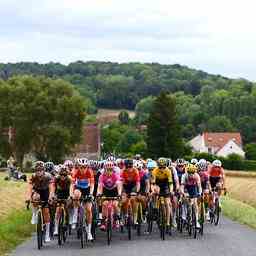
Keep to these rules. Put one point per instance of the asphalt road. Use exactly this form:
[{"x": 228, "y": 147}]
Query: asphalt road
[{"x": 227, "y": 239}]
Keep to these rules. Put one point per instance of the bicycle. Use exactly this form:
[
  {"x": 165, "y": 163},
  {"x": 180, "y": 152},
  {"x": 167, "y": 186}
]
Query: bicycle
[
  {"x": 139, "y": 217},
  {"x": 81, "y": 222},
  {"x": 110, "y": 216},
  {"x": 215, "y": 209},
  {"x": 40, "y": 226},
  {"x": 162, "y": 218},
  {"x": 62, "y": 221}
]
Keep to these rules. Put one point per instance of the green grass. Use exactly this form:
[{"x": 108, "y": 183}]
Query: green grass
[
  {"x": 240, "y": 212},
  {"x": 14, "y": 229}
]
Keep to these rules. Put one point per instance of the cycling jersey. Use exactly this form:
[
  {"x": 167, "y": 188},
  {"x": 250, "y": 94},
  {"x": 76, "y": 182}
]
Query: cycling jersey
[
  {"x": 180, "y": 172},
  {"x": 83, "y": 178},
  {"x": 62, "y": 186},
  {"x": 144, "y": 176},
  {"x": 204, "y": 177},
  {"x": 41, "y": 182},
  {"x": 109, "y": 181},
  {"x": 163, "y": 179},
  {"x": 216, "y": 171},
  {"x": 130, "y": 178},
  {"x": 191, "y": 184}
]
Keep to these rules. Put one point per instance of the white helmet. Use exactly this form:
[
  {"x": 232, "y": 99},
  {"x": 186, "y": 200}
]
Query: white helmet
[
  {"x": 217, "y": 163},
  {"x": 194, "y": 161},
  {"x": 138, "y": 164}
]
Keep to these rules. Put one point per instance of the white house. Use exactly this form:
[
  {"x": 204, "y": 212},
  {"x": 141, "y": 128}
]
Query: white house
[{"x": 218, "y": 143}]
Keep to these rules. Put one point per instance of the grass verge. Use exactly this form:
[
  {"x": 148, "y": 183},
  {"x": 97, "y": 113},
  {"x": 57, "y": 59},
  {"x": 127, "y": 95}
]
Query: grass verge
[
  {"x": 14, "y": 229},
  {"x": 238, "y": 211}
]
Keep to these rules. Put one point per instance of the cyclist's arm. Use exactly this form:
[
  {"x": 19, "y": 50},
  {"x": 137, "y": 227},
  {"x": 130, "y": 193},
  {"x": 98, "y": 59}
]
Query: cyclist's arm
[
  {"x": 223, "y": 178},
  {"x": 199, "y": 183},
  {"x": 29, "y": 191},
  {"x": 91, "y": 182},
  {"x": 175, "y": 177},
  {"x": 183, "y": 182}
]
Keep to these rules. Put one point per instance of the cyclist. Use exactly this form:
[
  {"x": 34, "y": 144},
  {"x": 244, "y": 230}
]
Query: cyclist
[
  {"x": 130, "y": 178},
  {"x": 109, "y": 186},
  {"x": 40, "y": 187},
  {"x": 50, "y": 168},
  {"x": 180, "y": 168},
  {"x": 69, "y": 164},
  {"x": 62, "y": 186},
  {"x": 217, "y": 177},
  {"x": 205, "y": 184},
  {"x": 191, "y": 183},
  {"x": 83, "y": 186},
  {"x": 151, "y": 165},
  {"x": 144, "y": 184},
  {"x": 176, "y": 186},
  {"x": 161, "y": 180}
]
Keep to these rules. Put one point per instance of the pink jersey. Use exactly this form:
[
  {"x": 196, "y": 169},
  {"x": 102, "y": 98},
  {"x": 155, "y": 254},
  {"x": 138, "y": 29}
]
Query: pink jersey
[{"x": 109, "y": 181}]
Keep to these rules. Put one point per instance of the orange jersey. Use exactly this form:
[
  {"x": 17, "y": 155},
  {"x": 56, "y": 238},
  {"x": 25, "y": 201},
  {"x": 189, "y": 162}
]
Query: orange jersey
[
  {"x": 130, "y": 176},
  {"x": 83, "y": 178},
  {"x": 216, "y": 171}
]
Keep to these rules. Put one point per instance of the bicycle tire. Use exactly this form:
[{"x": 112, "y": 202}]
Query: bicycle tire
[
  {"x": 129, "y": 226},
  {"x": 150, "y": 217},
  {"x": 189, "y": 219},
  {"x": 217, "y": 212},
  {"x": 39, "y": 230},
  {"x": 194, "y": 229},
  {"x": 139, "y": 219},
  {"x": 162, "y": 221},
  {"x": 109, "y": 231}
]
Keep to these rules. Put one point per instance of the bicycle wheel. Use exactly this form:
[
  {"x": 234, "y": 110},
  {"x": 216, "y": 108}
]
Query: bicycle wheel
[
  {"x": 189, "y": 219},
  {"x": 129, "y": 226},
  {"x": 60, "y": 228},
  {"x": 162, "y": 221},
  {"x": 109, "y": 230},
  {"x": 81, "y": 229},
  {"x": 217, "y": 212},
  {"x": 150, "y": 217},
  {"x": 39, "y": 230},
  {"x": 179, "y": 218},
  {"x": 194, "y": 229},
  {"x": 139, "y": 219},
  {"x": 94, "y": 220},
  {"x": 202, "y": 217}
]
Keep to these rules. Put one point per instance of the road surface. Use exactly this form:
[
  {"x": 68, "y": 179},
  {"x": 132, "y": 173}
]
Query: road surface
[{"x": 227, "y": 239}]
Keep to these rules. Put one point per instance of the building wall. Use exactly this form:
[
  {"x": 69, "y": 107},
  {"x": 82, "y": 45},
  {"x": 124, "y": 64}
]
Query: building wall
[
  {"x": 197, "y": 144},
  {"x": 231, "y": 148}
]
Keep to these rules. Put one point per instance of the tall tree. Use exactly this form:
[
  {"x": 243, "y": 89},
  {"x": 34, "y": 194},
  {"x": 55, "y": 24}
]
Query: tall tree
[{"x": 163, "y": 131}]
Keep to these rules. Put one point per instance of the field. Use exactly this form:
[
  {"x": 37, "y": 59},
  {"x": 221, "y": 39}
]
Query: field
[
  {"x": 15, "y": 220},
  {"x": 242, "y": 188},
  {"x": 102, "y": 112}
]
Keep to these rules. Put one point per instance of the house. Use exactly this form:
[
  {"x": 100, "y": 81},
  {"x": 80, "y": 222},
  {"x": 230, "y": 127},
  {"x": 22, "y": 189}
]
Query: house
[{"x": 218, "y": 143}]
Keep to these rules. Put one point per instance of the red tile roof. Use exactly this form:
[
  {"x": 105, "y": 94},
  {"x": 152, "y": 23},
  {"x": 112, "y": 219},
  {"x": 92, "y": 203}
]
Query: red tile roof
[{"x": 219, "y": 139}]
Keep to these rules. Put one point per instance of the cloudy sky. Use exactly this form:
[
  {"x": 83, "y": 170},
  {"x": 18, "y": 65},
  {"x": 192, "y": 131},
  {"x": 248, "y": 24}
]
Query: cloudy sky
[{"x": 215, "y": 36}]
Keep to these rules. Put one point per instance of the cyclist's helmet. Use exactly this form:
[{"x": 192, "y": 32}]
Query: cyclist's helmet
[
  {"x": 39, "y": 166},
  {"x": 194, "y": 161},
  {"x": 162, "y": 162},
  {"x": 128, "y": 163},
  {"x": 191, "y": 169},
  {"x": 63, "y": 171},
  {"x": 217, "y": 163},
  {"x": 68, "y": 163},
  {"x": 151, "y": 164},
  {"x": 202, "y": 165},
  {"x": 180, "y": 161},
  {"x": 108, "y": 165},
  {"x": 137, "y": 156},
  {"x": 111, "y": 158},
  {"x": 84, "y": 162},
  {"x": 49, "y": 167},
  {"x": 138, "y": 165}
]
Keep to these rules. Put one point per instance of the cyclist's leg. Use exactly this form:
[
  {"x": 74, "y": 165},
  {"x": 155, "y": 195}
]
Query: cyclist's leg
[
  {"x": 88, "y": 210},
  {"x": 35, "y": 197}
]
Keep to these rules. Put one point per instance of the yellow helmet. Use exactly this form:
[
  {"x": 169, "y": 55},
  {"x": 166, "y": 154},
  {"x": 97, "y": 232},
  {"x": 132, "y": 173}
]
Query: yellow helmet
[
  {"x": 162, "y": 162},
  {"x": 191, "y": 169}
]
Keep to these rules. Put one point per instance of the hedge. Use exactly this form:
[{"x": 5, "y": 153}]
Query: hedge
[{"x": 232, "y": 162}]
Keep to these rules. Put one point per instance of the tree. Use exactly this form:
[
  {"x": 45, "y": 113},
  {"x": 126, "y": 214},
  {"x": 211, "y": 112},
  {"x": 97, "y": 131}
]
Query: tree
[
  {"x": 143, "y": 109},
  {"x": 163, "y": 131},
  {"x": 123, "y": 117},
  {"x": 46, "y": 114},
  {"x": 220, "y": 124},
  {"x": 250, "y": 151}
]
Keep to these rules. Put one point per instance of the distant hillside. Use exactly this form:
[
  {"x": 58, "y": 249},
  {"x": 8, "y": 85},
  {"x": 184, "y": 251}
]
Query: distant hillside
[{"x": 113, "y": 85}]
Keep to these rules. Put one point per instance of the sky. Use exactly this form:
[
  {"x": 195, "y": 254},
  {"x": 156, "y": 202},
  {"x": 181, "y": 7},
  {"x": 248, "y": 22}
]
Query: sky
[{"x": 218, "y": 37}]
